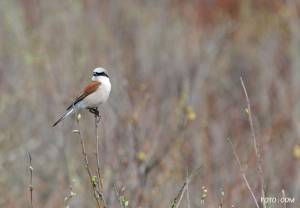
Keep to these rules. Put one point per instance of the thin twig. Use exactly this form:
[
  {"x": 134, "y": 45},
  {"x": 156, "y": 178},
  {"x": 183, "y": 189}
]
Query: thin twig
[
  {"x": 283, "y": 196},
  {"x": 177, "y": 200},
  {"x": 68, "y": 198},
  {"x": 256, "y": 148},
  {"x": 222, "y": 198},
  {"x": 187, "y": 190},
  {"x": 243, "y": 174},
  {"x": 122, "y": 199},
  {"x": 96, "y": 196},
  {"x": 100, "y": 178},
  {"x": 30, "y": 183},
  {"x": 100, "y": 182}
]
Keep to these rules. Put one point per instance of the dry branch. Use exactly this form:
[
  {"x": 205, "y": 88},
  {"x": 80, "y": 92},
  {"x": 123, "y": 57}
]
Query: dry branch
[
  {"x": 100, "y": 181},
  {"x": 98, "y": 195}
]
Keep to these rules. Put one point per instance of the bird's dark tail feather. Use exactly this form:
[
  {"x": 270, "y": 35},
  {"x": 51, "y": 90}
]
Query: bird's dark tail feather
[{"x": 66, "y": 114}]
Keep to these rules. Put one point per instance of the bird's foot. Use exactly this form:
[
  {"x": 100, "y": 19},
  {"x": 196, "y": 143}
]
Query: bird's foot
[{"x": 96, "y": 113}]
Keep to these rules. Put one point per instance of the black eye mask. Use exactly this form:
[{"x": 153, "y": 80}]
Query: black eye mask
[{"x": 96, "y": 74}]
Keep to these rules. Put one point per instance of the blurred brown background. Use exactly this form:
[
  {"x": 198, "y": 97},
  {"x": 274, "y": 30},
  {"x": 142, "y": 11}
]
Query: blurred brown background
[{"x": 176, "y": 96}]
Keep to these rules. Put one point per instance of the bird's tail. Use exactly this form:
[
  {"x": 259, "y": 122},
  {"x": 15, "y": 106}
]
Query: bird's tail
[{"x": 66, "y": 114}]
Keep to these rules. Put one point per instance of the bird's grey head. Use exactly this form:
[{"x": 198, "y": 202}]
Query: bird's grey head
[{"x": 99, "y": 73}]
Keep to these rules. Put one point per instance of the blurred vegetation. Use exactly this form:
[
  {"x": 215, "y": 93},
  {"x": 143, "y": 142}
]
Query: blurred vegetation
[{"x": 176, "y": 97}]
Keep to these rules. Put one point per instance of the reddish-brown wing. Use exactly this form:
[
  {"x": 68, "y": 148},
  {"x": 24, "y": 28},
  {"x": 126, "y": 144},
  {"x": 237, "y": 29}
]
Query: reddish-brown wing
[{"x": 90, "y": 88}]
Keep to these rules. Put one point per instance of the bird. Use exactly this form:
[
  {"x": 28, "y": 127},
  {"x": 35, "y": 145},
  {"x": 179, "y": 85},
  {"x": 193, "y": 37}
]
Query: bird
[{"x": 93, "y": 95}]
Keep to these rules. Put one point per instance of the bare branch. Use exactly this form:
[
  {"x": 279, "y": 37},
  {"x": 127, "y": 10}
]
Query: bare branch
[
  {"x": 243, "y": 174},
  {"x": 100, "y": 178},
  {"x": 97, "y": 195}
]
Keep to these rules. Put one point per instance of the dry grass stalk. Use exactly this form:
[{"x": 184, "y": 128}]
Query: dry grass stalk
[{"x": 256, "y": 147}]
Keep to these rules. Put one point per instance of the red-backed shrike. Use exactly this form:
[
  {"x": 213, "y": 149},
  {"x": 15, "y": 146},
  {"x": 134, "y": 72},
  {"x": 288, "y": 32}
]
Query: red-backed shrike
[{"x": 93, "y": 95}]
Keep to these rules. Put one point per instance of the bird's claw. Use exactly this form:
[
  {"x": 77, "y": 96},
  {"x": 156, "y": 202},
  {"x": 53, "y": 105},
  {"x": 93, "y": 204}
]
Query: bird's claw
[{"x": 96, "y": 113}]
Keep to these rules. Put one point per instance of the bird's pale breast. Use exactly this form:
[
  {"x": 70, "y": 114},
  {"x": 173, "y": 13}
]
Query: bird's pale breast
[{"x": 100, "y": 95}]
